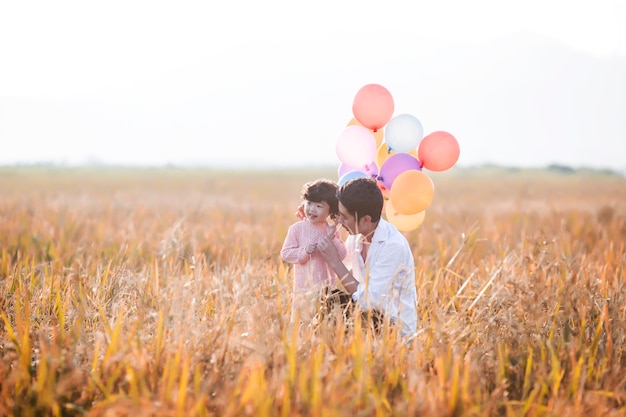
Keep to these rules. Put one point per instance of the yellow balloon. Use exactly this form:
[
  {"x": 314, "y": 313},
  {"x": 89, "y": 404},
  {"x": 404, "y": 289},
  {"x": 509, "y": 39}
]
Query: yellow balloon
[
  {"x": 403, "y": 222},
  {"x": 378, "y": 135},
  {"x": 411, "y": 192},
  {"x": 382, "y": 154}
]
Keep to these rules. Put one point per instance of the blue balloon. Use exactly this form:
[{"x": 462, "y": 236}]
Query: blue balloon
[{"x": 350, "y": 176}]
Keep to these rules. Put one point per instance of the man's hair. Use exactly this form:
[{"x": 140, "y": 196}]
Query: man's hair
[
  {"x": 362, "y": 197},
  {"x": 322, "y": 190}
]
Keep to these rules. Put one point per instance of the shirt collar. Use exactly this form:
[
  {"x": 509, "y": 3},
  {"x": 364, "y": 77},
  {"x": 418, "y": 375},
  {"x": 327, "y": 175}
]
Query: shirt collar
[{"x": 381, "y": 233}]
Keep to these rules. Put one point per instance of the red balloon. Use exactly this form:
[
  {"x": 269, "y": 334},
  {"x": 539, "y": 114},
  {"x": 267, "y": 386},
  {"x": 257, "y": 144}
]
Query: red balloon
[
  {"x": 385, "y": 192},
  {"x": 373, "y": 106},
  {"x": 438, "y": 151}
]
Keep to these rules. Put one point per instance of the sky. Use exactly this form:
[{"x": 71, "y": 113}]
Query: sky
[{"x": 271, "y": 83}]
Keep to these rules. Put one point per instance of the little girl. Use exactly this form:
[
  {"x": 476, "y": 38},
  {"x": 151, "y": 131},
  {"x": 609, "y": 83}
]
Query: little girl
[{"x": 310, "y": 271}]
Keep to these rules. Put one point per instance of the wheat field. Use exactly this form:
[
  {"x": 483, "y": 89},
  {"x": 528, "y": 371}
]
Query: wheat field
[{"x": 160, "y": 292}]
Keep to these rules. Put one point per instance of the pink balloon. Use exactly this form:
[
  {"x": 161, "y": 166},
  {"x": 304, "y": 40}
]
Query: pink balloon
[
  {"x": 370, "y": 169},
  {"x": 395, "y": 165},
  {"x": 356, "y": 147},
  {"x": 438, "y": 151},
  {"x": 373, "y": 106}
]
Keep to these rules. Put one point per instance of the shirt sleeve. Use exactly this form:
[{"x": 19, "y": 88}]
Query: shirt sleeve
[
  {"x": 291, "y": 251},
  {"x": 349, "y": 245}
]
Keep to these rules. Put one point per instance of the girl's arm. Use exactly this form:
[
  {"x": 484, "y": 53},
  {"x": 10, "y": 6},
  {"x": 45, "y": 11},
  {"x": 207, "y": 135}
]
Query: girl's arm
[{"x": 291, "y": 251}]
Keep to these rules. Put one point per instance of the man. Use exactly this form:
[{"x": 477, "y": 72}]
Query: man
[{"x": 379, "y": 270}]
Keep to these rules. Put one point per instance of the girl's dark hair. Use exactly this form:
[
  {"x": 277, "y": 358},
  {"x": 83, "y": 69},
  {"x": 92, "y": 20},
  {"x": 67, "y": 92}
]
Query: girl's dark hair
[
  {"x": 362, "y": 197},
  {"x": 322, "y": 190}
]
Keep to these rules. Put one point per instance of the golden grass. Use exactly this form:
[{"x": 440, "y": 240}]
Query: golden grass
[{"x": 161, "y": 292}]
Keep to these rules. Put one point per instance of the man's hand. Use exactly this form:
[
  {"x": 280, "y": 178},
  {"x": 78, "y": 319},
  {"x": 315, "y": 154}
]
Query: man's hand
[{"x": 326, "y": 246}]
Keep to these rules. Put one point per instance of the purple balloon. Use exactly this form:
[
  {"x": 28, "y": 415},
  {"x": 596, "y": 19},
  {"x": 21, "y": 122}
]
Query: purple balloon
[
  {"x": 370, "y": 169},
  {"x": 395, "y": 165}
]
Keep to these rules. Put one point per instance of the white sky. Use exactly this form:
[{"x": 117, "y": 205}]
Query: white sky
[{"x": 272, "y": 82}]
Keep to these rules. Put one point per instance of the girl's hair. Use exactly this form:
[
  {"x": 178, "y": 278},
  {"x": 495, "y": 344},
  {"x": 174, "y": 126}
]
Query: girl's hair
[
  {"x": 322, "y": 190},
  {"x": 362, "y": 197}
]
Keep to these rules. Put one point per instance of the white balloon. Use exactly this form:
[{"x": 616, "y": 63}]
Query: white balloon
[{"x": 403, "y": 133}]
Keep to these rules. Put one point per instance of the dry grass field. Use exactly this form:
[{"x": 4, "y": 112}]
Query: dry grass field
[{"x": 160, "y": 292}]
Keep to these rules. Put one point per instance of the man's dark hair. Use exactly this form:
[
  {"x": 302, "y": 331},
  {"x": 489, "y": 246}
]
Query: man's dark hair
[
  {"x": 322, "y": 190},
  {"x": 362, "y": 197}
]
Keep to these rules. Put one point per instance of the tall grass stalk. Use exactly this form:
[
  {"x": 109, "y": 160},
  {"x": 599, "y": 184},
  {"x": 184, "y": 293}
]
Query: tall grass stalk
[{"x": 161, "y": 292}]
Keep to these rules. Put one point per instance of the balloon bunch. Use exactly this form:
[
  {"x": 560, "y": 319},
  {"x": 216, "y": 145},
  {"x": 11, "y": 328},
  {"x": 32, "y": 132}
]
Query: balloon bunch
[{"x": 396, "y": 156}]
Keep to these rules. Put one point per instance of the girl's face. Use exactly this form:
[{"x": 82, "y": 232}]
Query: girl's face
[{"x": 316, "y": 212}]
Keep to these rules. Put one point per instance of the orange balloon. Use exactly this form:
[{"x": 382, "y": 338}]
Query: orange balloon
[
  {"x": 438, "y": 151},
  {"x": 382, "y": 154},
  {"x": 403, "y": 222},
  {"x": 412, "y": 191},
  {"x": 378, "y": 135},
  {"x": 373, "y": 106}
]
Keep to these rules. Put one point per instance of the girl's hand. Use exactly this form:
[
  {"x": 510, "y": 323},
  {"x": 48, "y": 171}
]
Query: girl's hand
[{"x": 310, "y": 248}]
